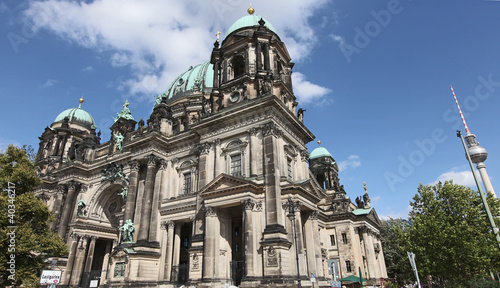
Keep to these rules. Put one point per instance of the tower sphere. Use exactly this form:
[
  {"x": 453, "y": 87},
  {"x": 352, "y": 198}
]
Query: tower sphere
[{"x": 477, "y": 154}]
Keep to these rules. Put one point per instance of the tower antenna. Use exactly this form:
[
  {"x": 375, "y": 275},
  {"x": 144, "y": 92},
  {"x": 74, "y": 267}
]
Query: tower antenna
[{"x": 460, "y": 110}]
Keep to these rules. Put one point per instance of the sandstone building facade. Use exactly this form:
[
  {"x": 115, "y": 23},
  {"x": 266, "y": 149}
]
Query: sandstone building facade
[{"x": 200, "y": 194}]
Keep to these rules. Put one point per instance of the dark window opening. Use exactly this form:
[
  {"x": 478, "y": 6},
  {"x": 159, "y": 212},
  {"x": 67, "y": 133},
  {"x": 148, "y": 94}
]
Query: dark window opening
[
  {"x": 236, "y": 165},
  {"x": 187, "y": 183},
  {"x": 344, "y": 238},
  {"x": 348, "y": 266},
  {"x": 332, "y": 240},
  {"x": 239, "y": 66}
]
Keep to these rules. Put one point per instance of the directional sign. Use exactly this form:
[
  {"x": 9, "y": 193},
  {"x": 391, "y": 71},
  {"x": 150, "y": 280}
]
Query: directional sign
[{"x": 50, "y": 277}]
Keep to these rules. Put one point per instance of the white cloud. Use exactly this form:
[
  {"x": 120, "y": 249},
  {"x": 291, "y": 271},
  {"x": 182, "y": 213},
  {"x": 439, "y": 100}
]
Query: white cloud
[
  {"x": 159, "y": 39},
  {"x": 307, "y": 92},
  {"x": 459, "y": 177},
  {"x": 49, "y": 83},
  {"x": 88, "y": 69},
  {"x": 351, "y": 163},
  {"x": 337, "y": 38}
]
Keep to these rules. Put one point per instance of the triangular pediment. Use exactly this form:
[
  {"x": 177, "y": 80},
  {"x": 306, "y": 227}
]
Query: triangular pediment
[
  {"x": 226, "y": 184},
  {"x": 374, "y": 217}
]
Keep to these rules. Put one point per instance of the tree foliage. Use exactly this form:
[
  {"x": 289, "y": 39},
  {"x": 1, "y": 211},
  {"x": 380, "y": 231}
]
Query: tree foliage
[
  {"x": 450, "y": 234},
  {"x": 396, "y": 260},
  {"x": 31, "y": 241}
]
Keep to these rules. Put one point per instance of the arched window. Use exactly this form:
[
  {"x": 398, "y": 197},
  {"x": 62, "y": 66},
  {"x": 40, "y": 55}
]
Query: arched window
[{"x": 238, "y": 66}]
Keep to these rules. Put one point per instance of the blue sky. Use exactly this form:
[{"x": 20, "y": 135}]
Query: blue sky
[{"x": 374, "y": 76}]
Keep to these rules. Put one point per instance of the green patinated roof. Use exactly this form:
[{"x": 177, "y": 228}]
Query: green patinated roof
[
  {"x": 197, "y": 78},
  {"x": 362, "y": 211},
  {"x": 319, "y": 152},
  {"x": 248, "y": 21},
  {"x": 77, "y": 116}
]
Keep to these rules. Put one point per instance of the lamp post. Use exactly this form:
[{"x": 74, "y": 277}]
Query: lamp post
[{"x": 291, "y": 215}]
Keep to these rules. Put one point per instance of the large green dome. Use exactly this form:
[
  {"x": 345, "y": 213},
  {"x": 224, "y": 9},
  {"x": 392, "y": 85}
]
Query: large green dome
[
  {"x": 249, "y": 21},
  {"x": 76, "y": 116},
  {"x": 197, "y": 78},
  {"x": 319, "y": 152}
]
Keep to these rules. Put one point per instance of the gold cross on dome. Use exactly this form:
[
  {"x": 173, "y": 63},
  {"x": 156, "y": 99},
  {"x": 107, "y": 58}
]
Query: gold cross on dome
[
  {"x": 217, "y": 34},
  {"x": 126, "y": 104}
]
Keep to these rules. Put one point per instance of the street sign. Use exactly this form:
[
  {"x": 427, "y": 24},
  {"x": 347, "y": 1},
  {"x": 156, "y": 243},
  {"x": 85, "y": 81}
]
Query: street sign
[{"x": 50, "y": 277}]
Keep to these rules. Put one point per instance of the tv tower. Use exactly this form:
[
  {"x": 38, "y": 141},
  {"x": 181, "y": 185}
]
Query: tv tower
[{"x": 477, "y": 153}]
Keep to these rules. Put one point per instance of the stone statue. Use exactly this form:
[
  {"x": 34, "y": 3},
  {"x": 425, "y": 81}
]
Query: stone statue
[
  {"x": 300, "y": 114},
  {"x": 366, "y": 198},
  {"x": 128, "y": 231},
  {"x": 359, "y": 202},
  {"x": 141, "y": 126},
  {"x": 125, "y": 113},
  {"x": 80, "y": 208},
  {"x": 119, "y": 141},
  {"x": 124, "y": 194}
]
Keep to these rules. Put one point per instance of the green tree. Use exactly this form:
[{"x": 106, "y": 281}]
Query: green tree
[
  {"x": 396, "y": 260},
  {"x": 450, "y": 234},
  {"x": 32, "y": 241}
]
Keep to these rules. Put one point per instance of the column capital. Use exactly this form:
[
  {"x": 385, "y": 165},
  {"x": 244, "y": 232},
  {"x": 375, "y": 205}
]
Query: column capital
[
  {"x": 134, "y": 165},
  {"x": 271, "y": 128},
  {"x": 314, "y": 215},
  {"x": 248, "y": 204},
  {"x": 151, "y": 160},
  {"x": 71, "y": 185},
  {"x": 163, "y": 164},
  {"x": 210, "y": 211}
]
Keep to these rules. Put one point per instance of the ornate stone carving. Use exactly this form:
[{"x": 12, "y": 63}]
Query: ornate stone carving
[
  {"x": 314, "y": 215},
  {"x": 203, "y": 148},
  {"x": 151, "y": 160},
  {"x": 271, "y": 129},
  {"x": 163, "y": 164},
  {"x": 252, "y": 131},
  {"x": 134, "y": 165},
  {"x": 272, "y": 257},
  {"x": 258, "y": 207},
  {"x": 304, "y": 156},
  {"x": 174, "y": 161},
  {"x": 210, "y": 211},
  {"x": 196, "y": 262},
  {"x": 60, "y": 188},
  {"x": 112, "y": 172},
  {"x": 248, "y": 204},
  {"x": 71, "y": 185}
]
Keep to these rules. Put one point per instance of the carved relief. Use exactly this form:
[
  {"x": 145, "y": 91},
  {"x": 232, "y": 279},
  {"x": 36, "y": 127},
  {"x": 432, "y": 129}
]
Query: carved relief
[
  {"x": 272, "y": 257},
  {"x": 248, "y": 204},
  {"x": 271, "y": 129},
  {"x": 210, "y": 211}
]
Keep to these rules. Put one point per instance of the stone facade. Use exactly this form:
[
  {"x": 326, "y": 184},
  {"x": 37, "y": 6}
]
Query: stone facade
[{"x": 200, "y": 195}]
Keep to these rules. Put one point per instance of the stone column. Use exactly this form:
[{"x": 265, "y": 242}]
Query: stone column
[
  {"x": 381, "y": 262},
  {"x": 317, "y": 244},
  {"x": 250, "y": 246},
  {"x": 210, "y": 248},
  {"x": 170, "y": 249},
  {"x": 147, "y": 201},
  {"x": 177, "y": 250},
  {"x": 57, "y": 205},
  {"x": 66, "y": 276},
  {"x": 274, "y": 214},
  {"x": 259, "y": 56},
  {"x": 369, "y": 251},
  {"x": 89, "y": 260},
  {"x": 160, "y": 175},
  {"x": 132, "y": 191},
  {"x": 310, "y": 243},
  {"x": 105, "y": 262},
  {"x": 217, "y": 158},
  {"x": 203, "y": 149},
  {"x": 67, "y": 209},
  {"x": 79, "y": 261}
]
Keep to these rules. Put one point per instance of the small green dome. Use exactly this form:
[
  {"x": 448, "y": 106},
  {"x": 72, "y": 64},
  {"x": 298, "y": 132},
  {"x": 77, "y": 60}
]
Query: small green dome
[
  {"x": 249, "y": 21},
  {"x": 197, "y": 78},
  {"x": 319, "y": 152},
  {"x": 77, "y": 116}
]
